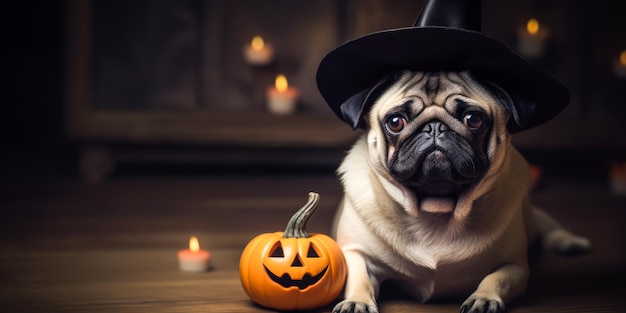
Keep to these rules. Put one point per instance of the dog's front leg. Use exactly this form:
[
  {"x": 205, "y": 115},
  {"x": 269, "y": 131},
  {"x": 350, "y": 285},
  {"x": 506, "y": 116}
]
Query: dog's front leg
[
  {"x": 361, "y": 289},
  {"x": 496, "y": 289}
]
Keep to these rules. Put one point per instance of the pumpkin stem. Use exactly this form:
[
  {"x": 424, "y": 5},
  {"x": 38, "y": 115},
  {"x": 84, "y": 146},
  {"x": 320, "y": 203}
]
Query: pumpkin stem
[{"x": 296, "y": 228}]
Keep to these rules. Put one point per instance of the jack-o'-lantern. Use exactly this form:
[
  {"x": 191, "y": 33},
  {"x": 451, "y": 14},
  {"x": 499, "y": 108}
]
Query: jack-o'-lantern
[{"x": 293, "y": 270}]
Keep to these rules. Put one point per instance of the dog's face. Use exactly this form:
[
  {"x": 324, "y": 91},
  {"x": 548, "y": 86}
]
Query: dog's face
[{"x": 436, "y": 135}]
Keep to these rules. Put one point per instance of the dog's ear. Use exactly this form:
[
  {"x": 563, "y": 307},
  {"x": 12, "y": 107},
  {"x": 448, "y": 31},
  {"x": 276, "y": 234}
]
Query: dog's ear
[
  {"x": 521, "y": 108},
  {"x": 356, "y": 106}
]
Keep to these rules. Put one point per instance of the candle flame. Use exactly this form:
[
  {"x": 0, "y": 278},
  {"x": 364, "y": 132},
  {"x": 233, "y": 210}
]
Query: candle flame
[
  {"x": 532, "y": 26},
  {"x": 257, "y": 43},
  {"x": 622, "y": 57},
  {"x": 194, "y": 245},
  {"x": 281, "y": 83}
]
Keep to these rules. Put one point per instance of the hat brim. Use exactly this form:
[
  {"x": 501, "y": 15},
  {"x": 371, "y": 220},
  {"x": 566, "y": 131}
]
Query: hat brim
[{"x": 360, "y": 63}]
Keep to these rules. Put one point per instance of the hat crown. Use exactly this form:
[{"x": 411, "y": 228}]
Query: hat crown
[{"x": 463, "y": 14}]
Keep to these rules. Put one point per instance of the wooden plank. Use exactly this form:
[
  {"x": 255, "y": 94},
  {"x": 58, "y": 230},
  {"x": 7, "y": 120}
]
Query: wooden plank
[{"x": 214, "y": 128}]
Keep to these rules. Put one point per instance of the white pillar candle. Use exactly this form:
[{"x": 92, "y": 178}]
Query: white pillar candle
[
  {"x": 194, "y": 259},
  {"x": 531, "y": 40},
  {"x": 258, "y": 52},
  {"x": 281, "y": 98}
]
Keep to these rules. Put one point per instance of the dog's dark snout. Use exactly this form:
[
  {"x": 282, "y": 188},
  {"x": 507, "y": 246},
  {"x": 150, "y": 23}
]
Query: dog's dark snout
[{"x": 435, "y": 128}]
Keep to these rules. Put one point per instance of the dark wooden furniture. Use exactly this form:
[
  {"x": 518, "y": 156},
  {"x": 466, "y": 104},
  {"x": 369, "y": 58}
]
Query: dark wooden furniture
[
  {"x": 166, "y": 81},
  {"x": 147, "y": 74}
]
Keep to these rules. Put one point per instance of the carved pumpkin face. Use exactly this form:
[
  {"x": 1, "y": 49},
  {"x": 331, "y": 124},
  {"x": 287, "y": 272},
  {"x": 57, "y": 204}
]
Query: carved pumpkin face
[
  {"x": 293, "y": 262},
  {"x": 286, "y": 273}
]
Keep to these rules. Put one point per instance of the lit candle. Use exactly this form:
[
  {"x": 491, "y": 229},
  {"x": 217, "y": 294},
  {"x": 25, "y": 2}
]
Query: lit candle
[
  {"x": 258, "y": 52},
  {"x": 531, "y": 41},
  {"x": 281, "y": 98},
  {"x": 194, "y": 259},
  {"x": 619, "y": 67}
]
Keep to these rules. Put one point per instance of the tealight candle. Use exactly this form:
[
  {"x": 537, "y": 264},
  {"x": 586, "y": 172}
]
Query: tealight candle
[
  {"x": 258, "y": 52},
  {"x": 281, "y": 98},
  {"x": 619, "y": 67},
  {"x": 194, "y": 259},
  {"x": 531, "y": 41}
]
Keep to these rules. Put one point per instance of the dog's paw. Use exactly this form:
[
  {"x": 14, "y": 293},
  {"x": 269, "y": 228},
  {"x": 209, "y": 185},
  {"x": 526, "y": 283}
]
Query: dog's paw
[
  {"x": 347, "y": 306},
  {"x": 565, "y": 243},
  {"x": 478, "y": 304}
]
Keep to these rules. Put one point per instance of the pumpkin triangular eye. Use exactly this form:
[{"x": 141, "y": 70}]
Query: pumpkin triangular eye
[
  {"x": 312, "y": 253},
  {"x": 277, "y": 252},
  {"x": 297, "y": 262}
]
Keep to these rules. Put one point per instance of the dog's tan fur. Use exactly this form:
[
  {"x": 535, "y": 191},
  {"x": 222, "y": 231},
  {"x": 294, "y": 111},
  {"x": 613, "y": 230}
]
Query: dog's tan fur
[{"x": 476, "y": 249}]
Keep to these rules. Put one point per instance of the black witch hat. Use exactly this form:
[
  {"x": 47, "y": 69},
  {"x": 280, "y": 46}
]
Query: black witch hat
[{"x": 445, "y": 37}]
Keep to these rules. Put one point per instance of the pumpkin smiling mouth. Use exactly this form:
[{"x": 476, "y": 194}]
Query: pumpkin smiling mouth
[{"x": 286, "y": 281}]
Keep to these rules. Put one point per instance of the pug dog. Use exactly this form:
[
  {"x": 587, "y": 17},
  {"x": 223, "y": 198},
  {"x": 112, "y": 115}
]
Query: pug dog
[{"x": 436, "y": 196}]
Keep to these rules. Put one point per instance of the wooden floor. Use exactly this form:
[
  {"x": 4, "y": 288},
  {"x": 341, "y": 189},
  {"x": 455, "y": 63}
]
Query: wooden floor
[{"x": 111, "y": 247}]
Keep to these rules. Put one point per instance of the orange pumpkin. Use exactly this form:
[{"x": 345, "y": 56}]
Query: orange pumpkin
[{"x": 293, "y": 270}]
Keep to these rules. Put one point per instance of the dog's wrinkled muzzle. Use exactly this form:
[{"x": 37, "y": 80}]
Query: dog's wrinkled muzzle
[{"x": 437, "y": 164}]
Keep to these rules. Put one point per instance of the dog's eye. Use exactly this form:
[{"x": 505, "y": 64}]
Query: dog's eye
[
  {"x": 473, "y": 120},
  {"x": 395, "y": 123}
]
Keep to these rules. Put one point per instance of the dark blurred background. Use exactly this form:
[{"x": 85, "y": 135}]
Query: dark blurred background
[
  {"x": 162, "y": 86},
  {"x": 33, "y": 68}
]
